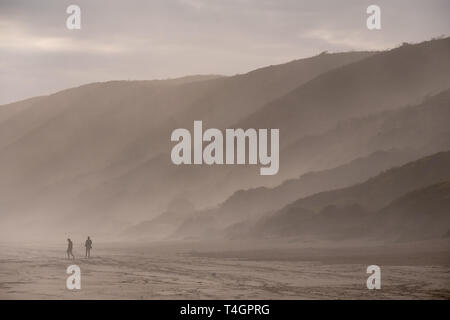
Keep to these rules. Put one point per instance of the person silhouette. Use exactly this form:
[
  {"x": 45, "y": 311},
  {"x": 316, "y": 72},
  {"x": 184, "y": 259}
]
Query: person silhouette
[
  {"x": 69, "y": 249},
  {"x": 88, "y": 245}
]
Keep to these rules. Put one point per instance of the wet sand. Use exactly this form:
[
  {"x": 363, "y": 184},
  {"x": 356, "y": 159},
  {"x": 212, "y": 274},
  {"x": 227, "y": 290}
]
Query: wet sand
[{"x": 180, "y": 272}]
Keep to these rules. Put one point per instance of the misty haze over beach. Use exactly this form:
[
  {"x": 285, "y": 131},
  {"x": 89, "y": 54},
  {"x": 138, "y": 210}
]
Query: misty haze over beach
[{"x": 361, "y": 176}]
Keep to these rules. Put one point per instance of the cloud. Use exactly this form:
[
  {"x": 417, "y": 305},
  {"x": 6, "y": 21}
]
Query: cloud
[
  {"x": 167, "y": 38},
  {"x": 17, "y": 38}
]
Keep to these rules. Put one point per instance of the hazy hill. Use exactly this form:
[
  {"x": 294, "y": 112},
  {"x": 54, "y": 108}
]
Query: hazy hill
[
  {"x": 99, "y": 154},
  {"x": 251, "y": 203},
  {"x": 79, "y": 150},
  {"x": 393, "y": 126},
  {"x": 421, "y": 129},
  {"x": 384, "y": 81},
  {"x": 385, "y": 187},
  {"x": 245, "y": 203},
  {"x": 164, "y": 224},
  {"x": 342, "y": 101},
  {"x": 420, "y": 214},
  {"x": 346, "y": 212}
]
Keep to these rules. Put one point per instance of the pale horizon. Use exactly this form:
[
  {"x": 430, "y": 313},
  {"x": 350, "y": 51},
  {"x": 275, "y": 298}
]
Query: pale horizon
[{"x": 177, "y": 38}]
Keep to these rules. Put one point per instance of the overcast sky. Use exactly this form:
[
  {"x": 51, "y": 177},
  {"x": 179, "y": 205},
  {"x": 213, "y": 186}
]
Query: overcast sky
[{"x": 170, "y": 38}]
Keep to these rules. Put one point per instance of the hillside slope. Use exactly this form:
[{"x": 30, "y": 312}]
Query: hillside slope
[
  {"x": 384, "y": 81},
  {"x": 77, "y": 151},
  {"x": 356, "y": 210}
]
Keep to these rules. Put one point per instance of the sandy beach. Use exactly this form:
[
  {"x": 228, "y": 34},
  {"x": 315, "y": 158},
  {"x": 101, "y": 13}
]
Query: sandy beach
[{"x": 189, "y": 272}]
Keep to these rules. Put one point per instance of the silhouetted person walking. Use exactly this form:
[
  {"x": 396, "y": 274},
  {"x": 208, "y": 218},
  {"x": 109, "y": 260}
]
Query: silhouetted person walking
[
  {"x": 88, "y": 245},
  {"x": 69, "y": 249}
]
